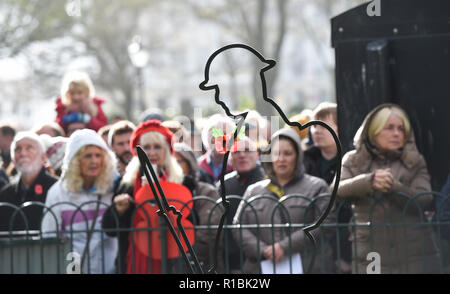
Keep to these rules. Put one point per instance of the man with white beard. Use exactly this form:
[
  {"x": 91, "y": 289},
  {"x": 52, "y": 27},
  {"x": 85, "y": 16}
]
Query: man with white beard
[{"x": 31, "y": 184}]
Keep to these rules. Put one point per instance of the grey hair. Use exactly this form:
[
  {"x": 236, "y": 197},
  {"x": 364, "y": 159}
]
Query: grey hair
[{"x": 30, "y": 135}]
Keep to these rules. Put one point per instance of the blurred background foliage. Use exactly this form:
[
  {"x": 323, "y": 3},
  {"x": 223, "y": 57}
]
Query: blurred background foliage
[{"x": 41, "y": 40}]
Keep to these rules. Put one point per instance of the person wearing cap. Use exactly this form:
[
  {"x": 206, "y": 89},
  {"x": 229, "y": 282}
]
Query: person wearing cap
[
  {"x": 33, "y": 183},
  {"x": 247, "y": 171},
  {"x": 119, "y": 140},
  {"x": 152, "y": 114},
  {"x": 286, "y": 176},
  {"x": 79, "y": 199},
  {"x": 205, "y": 211},
  {"x": 156, "y": 141},
  {"x": 55, "y": 149},
  {"x": 257, "y": 128}
]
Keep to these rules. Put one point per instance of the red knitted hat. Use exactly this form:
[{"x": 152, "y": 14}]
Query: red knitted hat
[{"x": 150, "y": 126}]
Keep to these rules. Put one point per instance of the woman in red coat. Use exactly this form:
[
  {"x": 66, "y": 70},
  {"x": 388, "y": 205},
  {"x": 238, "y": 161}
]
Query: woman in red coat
[{"x": 134, "y": 256}]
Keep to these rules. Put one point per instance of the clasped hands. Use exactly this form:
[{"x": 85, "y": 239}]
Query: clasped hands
[
  {"x": 383, "y": 180},
  {"x": 269, "y": 252}
]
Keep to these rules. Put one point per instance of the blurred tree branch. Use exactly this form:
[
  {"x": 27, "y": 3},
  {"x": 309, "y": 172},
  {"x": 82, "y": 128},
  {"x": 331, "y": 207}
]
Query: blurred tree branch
[
  {"x": 106, "y": 32},
  {"x": 247, "y": 21},
  {"x": 42, "y": 31},
  {"x": 28, "y": 21},
  {"x": 316, "y": 27},
  {"x": 101, "y": 34}
]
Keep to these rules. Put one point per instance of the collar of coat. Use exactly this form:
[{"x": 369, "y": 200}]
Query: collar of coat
[
  {"x": 366, "y": 153},
  {"x": 251, "y": 175},
  {"x": 39, "y": 179},
  {"x": 274, "y": 187},
  {"x": 276, "y": 190}
]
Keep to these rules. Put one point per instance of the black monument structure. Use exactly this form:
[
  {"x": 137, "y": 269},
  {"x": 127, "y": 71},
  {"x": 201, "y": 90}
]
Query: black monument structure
[{"x": 401, "y": 56}]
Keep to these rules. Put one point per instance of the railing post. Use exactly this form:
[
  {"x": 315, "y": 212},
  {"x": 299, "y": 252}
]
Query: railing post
[{"x": 163, "y": 237}]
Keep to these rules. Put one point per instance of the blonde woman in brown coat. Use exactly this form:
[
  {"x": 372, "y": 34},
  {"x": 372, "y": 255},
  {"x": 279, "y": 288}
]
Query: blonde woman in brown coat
[{"x": 379, "y": 177}]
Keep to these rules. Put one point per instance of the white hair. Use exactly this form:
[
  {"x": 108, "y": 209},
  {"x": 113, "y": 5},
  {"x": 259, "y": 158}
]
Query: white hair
[
  {"x": 218, "y": 121},
  {"x": 30, "y": 135}
]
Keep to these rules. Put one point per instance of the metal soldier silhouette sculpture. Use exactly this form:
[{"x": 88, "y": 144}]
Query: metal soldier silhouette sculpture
[
  {"x": 158, "y": 192},
  {"x": 240, "y": 120}
]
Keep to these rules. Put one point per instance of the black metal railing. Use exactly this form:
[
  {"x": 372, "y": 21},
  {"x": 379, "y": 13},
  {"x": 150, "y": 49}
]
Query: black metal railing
[{"x": 409, "y": 234}]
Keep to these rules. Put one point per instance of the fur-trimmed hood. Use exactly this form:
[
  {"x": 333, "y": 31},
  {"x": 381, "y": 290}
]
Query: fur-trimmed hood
[{"x": 365, "y": 152}]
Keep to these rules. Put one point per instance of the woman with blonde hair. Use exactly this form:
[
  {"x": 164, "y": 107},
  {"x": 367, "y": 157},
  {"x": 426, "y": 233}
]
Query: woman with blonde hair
[
  {"x": 78, "y": 103},
  {"x": 79, "y": 199},
  {"x": 155, "y": 139},
  {"x": 380, "y": 178}
]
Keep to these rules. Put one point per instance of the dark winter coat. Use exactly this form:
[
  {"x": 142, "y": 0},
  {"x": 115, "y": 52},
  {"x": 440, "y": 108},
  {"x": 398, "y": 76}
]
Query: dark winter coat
[
  {"x": 15, "y": 193},
  {"x": 312, "y": 161},
  {"x": 235, "y": 185},
  {"x": 205, "y": 210}
]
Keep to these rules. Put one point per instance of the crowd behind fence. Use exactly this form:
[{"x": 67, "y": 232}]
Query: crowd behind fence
[{"x": 52, "y": 252}]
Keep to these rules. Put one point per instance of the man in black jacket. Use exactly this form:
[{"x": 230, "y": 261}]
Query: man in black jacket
[
  {"x": 320, "y": 161},
  {"x": 32, "y": 184},
  {"x": 247, "y": 171}
]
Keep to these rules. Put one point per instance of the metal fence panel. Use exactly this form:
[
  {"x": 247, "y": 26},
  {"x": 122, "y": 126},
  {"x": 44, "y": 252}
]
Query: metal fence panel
[
  {"x": 33, "y": 255},
  {"x": 22, "y": 253}
]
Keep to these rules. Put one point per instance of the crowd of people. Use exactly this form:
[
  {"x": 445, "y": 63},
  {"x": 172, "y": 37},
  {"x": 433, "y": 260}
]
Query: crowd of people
[{"x": 82, "y": 174}]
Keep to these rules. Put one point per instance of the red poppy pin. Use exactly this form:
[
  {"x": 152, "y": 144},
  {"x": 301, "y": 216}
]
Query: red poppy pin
[
  {"x": 222, "y": 139},
  {"x": 38, "y": 189}
]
